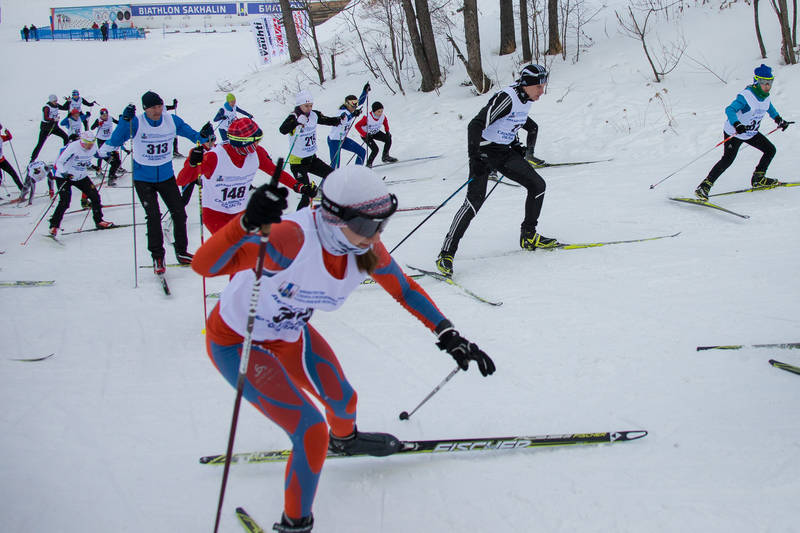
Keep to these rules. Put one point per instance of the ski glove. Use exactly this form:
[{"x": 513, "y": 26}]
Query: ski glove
[
  {"x": 740, "y": 128},
  {"x": 462, "y": 350},
  {"x": 782, "y": 124},
  {"x": 129, "y": 112},
  {"x": 196, "y": 156},
  {"x": 305, "y": 188},
  {"x": 302, "y": 120},
  {"x": 356, "y": 111},
  {"x": 265, "y": 207},
  {"x": 367, "y": 88}
]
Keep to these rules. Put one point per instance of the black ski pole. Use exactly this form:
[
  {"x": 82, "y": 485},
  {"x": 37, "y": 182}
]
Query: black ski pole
[
  {"x": 406, "y": 415},
  {"x": 52, "y": 201},
  {"x": 247, "y": 343},
  {"x": 429, "y": 216}
]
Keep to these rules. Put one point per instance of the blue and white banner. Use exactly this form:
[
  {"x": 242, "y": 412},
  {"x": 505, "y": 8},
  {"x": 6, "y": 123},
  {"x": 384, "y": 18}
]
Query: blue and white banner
[
  {"x": 171, "y": 10},
  {"x": 265, "y": 8},
  {"x": 64, "y": 18}
]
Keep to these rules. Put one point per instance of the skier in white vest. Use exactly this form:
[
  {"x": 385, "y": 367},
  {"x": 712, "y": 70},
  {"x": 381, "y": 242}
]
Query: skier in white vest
[
  {"x": 105, "y": 127},
  {"x": 743, "y": 118},
  {"x": 36, "y": 172},
  {"x": 227, "y": 114},
  {"x": 492, "y": 143},
  {"x": 369, "y": 127}
]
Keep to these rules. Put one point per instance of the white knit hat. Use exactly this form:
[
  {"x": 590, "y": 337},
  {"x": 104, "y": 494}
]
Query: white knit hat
[
  {"x": 303, "y": 97},
  {"x": 359, "y": 188}
]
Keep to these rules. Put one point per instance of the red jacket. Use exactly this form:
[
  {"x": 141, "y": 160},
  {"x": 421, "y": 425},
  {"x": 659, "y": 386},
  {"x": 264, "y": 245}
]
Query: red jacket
[{"x": 362, "y": 124}]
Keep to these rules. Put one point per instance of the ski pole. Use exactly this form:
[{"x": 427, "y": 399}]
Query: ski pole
[
  {"x": 247, "y": 343},
  {"x": 653, "y": 186},
  {"x": 133, "y": 211},
  {"x": 15, "y": 159},
  {"x": 52, "y": 201},
  {"x": 202, "y": 241},
  {"x": 429, "y": 216},
  {"x": 406, "y": 415}
]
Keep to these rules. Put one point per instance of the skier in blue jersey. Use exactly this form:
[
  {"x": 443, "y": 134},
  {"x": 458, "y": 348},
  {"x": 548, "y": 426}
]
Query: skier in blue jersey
[{"x": 227, "y": 114}]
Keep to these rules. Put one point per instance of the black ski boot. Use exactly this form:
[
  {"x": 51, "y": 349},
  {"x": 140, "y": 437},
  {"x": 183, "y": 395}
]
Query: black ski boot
[
  {"x": 287, "y": 525},
  {"x": 361, "y": 443},
  {"x": 530, "y": 239},
  {"x": 445, "y": 264},
  {"x": 760, "y": 180},
  {"x": 703, "y": 189},
  {"x": 388, "y": 159}
]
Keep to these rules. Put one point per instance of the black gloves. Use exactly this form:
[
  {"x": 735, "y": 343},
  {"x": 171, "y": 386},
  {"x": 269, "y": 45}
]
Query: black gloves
[
  {"x": 174, "y": 102},
  {"x": 206, "y": 131},
  {"x": 304, "y": 188},
  {"x": 782, "y": 124},
  {"x": 196, "y": 156},
  {"x": 366, "y": 88},
  {"x": 367, "y": 138},
  {"x": 740, "y": 128},
  {"x": 264, "y": 207},
  {"x": 461, "y": 349},
  {"x": 356, "y": 111},
  {"x": 129, "y": 112}
]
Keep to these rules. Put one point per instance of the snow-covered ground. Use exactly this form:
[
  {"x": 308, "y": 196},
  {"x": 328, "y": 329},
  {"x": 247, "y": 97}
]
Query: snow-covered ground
[{"x": 106, "y": 434}]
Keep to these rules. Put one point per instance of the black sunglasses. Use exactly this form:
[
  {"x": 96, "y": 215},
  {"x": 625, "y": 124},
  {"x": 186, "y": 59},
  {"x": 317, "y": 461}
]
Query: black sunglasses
[{"x": 359, "y": 222}]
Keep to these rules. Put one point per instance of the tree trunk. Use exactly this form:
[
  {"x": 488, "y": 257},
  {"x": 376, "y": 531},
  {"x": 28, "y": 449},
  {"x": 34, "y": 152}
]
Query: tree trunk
[
  {"x": 471, "y": 31},
  {"x": 786, "y": 33},
  {"x": 419, "y": 50},
  {"x": 508, "y": 42},
  {"x": 291, "y": 31},
  {"x": 758, "y": 31},
  {"x": 525, "y": 35},
  {"x": 428, "y": 39},
  {"x": 554, "y": 43}
]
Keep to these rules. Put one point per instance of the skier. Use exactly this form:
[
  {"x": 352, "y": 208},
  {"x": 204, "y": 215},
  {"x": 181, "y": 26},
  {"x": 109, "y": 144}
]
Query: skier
[
  {"x": 49, "y": 124},
  {"x": 73, "y": 121},
  {"x": 227, "y": 171},
  {"x": 76, "y": 102},
  {"x": 370, "y": 129},
  {"x": 152, "y": 133},
  {"x": 227, "y": 114},
  {"x": 302, "y": 124},
  {"x": 315, "y": 258},
  {"x": 337, "y": 137},
  {"x": 492, "y": 143},
  {"x": 4, "y": 163},
  {"x": 743, "y": 118},
  {"x": 71, "y": 170},
  {"x": 36, "y": 171},
  {"x": 105, "y": 128}
]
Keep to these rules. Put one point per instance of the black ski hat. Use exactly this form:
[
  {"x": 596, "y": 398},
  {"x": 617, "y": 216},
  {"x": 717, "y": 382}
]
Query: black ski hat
[
  {"x": 150, "y": 99},
  {"x": 376, "y": 106}
]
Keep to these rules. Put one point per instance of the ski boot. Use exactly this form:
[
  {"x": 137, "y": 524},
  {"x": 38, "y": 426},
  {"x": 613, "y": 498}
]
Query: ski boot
[
  {"x": 361, "y": 443},
  {"x": 103, "y": 224},
  {"x": 445, "y": 264},
  {"x": 531, "y": 240},
  {"x": 288, "y": 525},
  {"x": 760, "y": 180},
  {"x": 85, "y": 202},
  {"x": 184, "y": 258},
  {"x": 53, "y": 232},
  {"x": 386, "y": 158},
  {"x": 702, "y": 190},
  {"x": 158, "y": 266}
]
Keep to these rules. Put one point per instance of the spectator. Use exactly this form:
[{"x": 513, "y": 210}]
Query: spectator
[
  {"x": 34, "y": 32},
  {"x": 26, "y": 33},
  {"x": 104, "y": 30},
  {"x": 114, "y": 29}
]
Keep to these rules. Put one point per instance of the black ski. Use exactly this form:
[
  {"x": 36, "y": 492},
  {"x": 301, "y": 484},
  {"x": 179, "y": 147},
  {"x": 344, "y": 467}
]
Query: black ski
[
  {"x": 697, "y": 201},
  {"x": 449, "y": 280},
  {"x": 785, "y": 366},
  {"x": 788, "y": 345},
  {"x": 405, "y": 180},
  {"x": 53, "y": 238},
  {"x": 17, "y": 215},
  {"x": 452, "y": 445},
  {"x": 504, "y": 182},
  {"x": 409, "y": 160},
  {"x": 163, "y": 280},
  {"x": 32, "y": 359},
  {"x": 247, "y": 521},
  {"x": 568, "y": 164},
  {"x": 370, "y": 281},
  {"x": 765, "y": 188},
  {"x": 168, "y": 264},
  {"x": 115, "y": 226},
  {"x": 41, "y": 283}
]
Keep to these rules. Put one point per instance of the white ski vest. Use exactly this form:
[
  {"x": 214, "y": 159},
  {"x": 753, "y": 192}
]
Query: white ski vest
[
  {"x": 74, "y": 104},
  {"x": 338, "y": 133},
  {"x": 374, "y": 125},
  {"x": 504, "y": 130},
  {"x": 37, "y": 170},
  {"x": 75, "y": 160},
  {"x": 152, "y": 145},
  {"x": 306, "y": 143},
  {"x": 227, "y": 189},
  {"x": 289, "y": 298},
  {"x": 105, "y": 130},
  {"x": 230, "y": 116},
  {"x": 751, "y": 118},
  {"x": 74, "y": 126}
]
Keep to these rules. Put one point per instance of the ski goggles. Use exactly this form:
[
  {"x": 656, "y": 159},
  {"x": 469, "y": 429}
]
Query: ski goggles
[
  {"x": 363, "y": 224},
  {"x": 760, "y": 79}
]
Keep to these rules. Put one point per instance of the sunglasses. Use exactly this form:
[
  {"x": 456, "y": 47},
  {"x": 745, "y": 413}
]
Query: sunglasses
[{"x": 357, "y": 221}]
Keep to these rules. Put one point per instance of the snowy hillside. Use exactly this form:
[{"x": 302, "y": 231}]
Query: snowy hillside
[{"x": 106, "y": 434}]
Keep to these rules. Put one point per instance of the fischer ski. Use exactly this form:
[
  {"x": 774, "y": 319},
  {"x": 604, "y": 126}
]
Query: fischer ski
[
  {"x": 452, "y": 445},
  {"x": 442, "y": 277},
  {"x": 409, "y": 160},
  {"x": 32, "y": 359},
  {"x": 247, "y": 521},
  {"x": 788, "y": 345},
  {"x": 785, "y": 366},
  {"x": 704, "y": 203},
  {"x": 568, "y": 164},
  {"x": 42, "y": 283},
  {"x": 754, "y": 189}
]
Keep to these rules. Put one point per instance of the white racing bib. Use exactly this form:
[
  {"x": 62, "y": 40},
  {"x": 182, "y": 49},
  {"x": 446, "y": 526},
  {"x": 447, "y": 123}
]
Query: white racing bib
[
  {"x": 504, "y": 130},
  {"x": 152, "y": 145},
  {"x": 227, "y": 190}
]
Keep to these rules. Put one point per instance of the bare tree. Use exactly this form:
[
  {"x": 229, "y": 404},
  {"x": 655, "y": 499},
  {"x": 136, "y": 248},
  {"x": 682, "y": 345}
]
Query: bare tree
[
  {"x": 787, "y": 49},
  {"x": 525, "y": 35},
  {"x": 291, "y": 31},
  {"x": 554, "y": 44},
  {"x": 669, "y": 57},
  {"x": 423, "y": 43},
  {"x": 508, "y": 42},
  {"x": 758, "y": 31},
  {"x": 480, "y": 81},
  {"x": 312, "y": 51}
]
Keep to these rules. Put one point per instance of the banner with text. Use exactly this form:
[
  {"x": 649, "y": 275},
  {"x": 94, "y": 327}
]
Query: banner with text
[
  {"x": 269, "y": 34},
  {"x": 172, "y": 10},
  {"x": 66, "y": 18}
]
